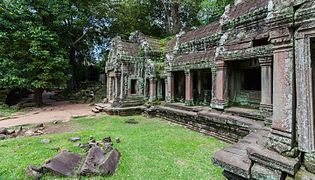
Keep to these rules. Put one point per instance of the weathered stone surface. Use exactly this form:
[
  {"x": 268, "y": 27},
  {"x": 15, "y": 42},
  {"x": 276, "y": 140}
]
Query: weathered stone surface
[
  {"x": 75, "y": 139},
  {"x": 4, "y": 131},
  {"x": 2, "y": 136},
  {"x": 273, "y": 160},
  {"x": 92, "y": 161},
  {"x": 63, "y": 164},
  {"x": 110, "y": 163},
  {"x": 33, "y": 172},
  {"x": 131, "y": 121},
  {"x": 309, "y": 162},
  {"x": 262, "y": 173},
  {"x": 233, "y": 163},
  {"x": 45, "y": 141},
  {"x": 97, "y": 163}
]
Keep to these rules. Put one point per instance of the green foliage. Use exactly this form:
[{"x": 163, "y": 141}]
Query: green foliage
[
  {"x": 30, "y": 56},
  {"x": 211, "y": 10},
  {"x": 152, "y": 149},
  {"x": 6, "y": 111}
]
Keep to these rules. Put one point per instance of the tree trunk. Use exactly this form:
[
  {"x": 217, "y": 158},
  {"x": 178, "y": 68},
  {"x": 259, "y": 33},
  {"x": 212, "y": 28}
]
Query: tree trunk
[
  {"x": 73, "y": 82},
  {"x": 175, "y": 17},
  {"x": 38, "y": 96}
]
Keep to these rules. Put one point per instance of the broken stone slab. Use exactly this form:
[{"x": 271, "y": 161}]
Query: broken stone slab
[
  {"x": 45, "y": 141},
  {"x": 107, "y": 139},
  {"x": 131, "y": 121},
  {"x": 261, "y": 172},
  {"x": 63, "y": 164},
  {"x": 99, "y": 163},
  {"x": 309, "y": 162},
  {"x": 3, "y": 136},
  {"x": 272, "y": 159},
  {"x": 233, "y": 163},
  {"x": 4, "y": 131},
  {"x": 95, "y": 110},
  {"x": 92, "y": 161},
  {"x": 33, "y": 172},
  {"x": 75, "y": 139},
  {"x": 109, "y": 166}
]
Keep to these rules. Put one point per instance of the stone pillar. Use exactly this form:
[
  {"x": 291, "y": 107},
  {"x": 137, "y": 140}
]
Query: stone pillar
[
  {"x": 282, "y": 137},
  {"x": 108, "y": 87},
  {"x": 221, "y": 85},
  {"x": 266, "y": 86},
  {"x": 188, "y": 88},
  {"x": 159, "y": 89},
  {"x": 199, "y": 83},
  {"x": 170, "y": 87},
  {"x": 305, "y": 97},
  {"x": 166, "y": 89},
  {"x": 152, "y": 89},
  {"x": 118, "y": 85},
  {"x": 213, "y": 89}
]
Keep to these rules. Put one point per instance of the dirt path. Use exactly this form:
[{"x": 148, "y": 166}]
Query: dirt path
[{"x": 56, "y": 111}]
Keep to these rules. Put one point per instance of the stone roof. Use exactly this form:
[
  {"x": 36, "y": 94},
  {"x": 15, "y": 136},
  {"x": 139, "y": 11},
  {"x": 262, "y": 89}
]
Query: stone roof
[
  {"x": 201, "y": 32},
  {"x": 171, "y": 44},
  {"x": 130, "y": 48},
  {"x": 245, "y": 7},
  {"x": 195, "y": 57}
]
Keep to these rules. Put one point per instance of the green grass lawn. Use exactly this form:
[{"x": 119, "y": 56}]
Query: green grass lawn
[{"x": 152, "y": 149}]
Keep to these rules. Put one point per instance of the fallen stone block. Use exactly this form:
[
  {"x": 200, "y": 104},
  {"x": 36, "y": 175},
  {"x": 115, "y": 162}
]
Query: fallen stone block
[
  {"x": 75, "y": 139},
  {"x": 4, "y": 131},
  {"x": 92, "y": 161},
  {"x": 33, "y": 172},
  {"x": 131, "y": 121},
  {"x": 63, "y": 164},
  {"x": 3, "y": 136},
  {"x": 109, "y": 166},
  {"x": 97, "y": 163},
  {"x": 45, "y": 141}
]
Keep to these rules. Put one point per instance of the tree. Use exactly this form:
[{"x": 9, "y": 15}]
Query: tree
[
  {"x": 211, "y": 10},
  {"x": 30, "y": 56}
]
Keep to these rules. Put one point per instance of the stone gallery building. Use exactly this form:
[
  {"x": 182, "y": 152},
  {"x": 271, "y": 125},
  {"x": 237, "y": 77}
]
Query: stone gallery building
[{"x": 247, "y": 78}]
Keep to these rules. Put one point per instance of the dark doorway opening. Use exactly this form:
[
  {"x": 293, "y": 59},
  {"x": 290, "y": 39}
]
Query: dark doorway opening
[
  {"x": 251, "y": 79},
  {"x": 147, "y": 88},
  {"x": 179, "y": 86},
  {"x": 202, "y": 86},
  {"x": 163, "y": 88},
  {"x": 133, "y": 89}
]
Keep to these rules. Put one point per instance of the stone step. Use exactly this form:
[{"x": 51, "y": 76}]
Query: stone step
[
  {"x": 95, "y": 110},
  {"x": 99, "y": 108},
  {"x": 182, "y": 106},
  {"x": 233, "y": 163}
]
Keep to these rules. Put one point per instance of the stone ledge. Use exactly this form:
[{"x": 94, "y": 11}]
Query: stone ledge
[{"x": 273, "y": 160}]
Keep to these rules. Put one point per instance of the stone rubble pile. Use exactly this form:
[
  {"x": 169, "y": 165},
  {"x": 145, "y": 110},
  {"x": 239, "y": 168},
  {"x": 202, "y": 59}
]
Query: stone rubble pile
[
  {"x": 101, "y": 159},
  {"x": 6, "y": 133}
]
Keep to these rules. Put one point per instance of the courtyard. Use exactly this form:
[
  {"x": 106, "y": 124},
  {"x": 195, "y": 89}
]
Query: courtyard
[{"x": 151, "y": 149}]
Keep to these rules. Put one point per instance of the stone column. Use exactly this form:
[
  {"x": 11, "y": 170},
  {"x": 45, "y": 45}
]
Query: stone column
[
  {"x": 213, "y": 89},
  {"x": 266, "y": 86},
  {"x": 221, "y": 85},
  {"x": 282, "y": 138},
  {"x": 152, "y": 89},
  {"x": 118, "y": 85},
  {"x": 188, "y": 88},
  {"x": 305, "y": 92},
  {"x": 199, "y": 82},
  {"x": 170, "y": 87},
  {"x": 108, "y": 85},
  {"x": 166, "y": 88}
]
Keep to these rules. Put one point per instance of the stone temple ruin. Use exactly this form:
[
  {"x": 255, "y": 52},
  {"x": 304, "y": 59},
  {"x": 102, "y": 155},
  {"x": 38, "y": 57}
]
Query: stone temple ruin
[{"x": 247, "y": 78}]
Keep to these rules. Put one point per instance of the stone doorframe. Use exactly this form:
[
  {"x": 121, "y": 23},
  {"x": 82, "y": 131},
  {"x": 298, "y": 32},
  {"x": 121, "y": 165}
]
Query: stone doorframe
[{"x": 304, "y": 90}]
